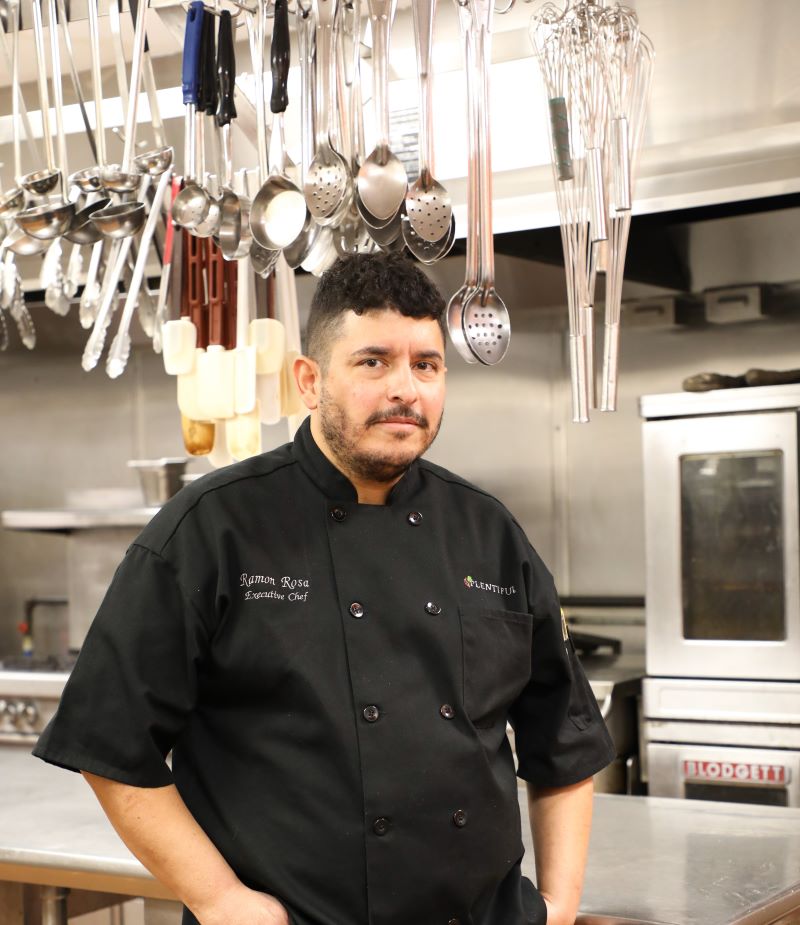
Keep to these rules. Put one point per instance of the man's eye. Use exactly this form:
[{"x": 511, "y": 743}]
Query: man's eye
[
  {"x": 426, "y": 366},
  {"x": 371, "y": 362}
]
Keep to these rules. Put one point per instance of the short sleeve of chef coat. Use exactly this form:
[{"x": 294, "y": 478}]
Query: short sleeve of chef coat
[
  {"x": 135, "y": 679},
  {"x": 560, "y": 737}
]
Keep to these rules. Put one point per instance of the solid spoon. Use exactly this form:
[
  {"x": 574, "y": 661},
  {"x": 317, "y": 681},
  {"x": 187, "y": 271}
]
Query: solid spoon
[{"x": 382, "y": 179}]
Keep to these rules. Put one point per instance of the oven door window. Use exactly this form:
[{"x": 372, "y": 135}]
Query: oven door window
[{"x": 733, "y": 546}]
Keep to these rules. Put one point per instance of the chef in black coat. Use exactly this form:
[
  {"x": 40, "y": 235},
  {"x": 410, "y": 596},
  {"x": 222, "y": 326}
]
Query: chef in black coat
[{"x": 331, "y": 639}]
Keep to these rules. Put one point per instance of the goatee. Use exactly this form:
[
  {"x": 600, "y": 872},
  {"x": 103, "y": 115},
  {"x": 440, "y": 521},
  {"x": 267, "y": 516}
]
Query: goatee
[{"x": 342, "y": 437}]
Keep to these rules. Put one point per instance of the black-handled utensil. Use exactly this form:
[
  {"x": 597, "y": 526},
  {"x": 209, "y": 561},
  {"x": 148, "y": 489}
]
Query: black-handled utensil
[
  {"x": 226, "y": 70},
  {"x": 234, "y": 236},
  {"x": 207, "y": 77},
  {"x": 279, "y": 57},
  {"x": 279, "y": 212}
]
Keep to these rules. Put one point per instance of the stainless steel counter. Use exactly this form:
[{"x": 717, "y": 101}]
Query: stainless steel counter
[
  {"x": 651, "y": 860},
  {"x": 687, "y": 862},
  {"x": 52, "y": 831}
]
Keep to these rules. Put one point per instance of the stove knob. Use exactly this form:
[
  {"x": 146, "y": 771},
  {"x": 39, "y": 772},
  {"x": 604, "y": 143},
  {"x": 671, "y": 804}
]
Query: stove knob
[
  {"x": 16, "y": 711},
  {"x": 3, "y": 707},
  {"x": 31, "y": 713}
]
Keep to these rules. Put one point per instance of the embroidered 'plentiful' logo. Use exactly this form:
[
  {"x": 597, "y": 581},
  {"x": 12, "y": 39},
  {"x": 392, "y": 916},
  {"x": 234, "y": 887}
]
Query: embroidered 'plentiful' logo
[{"x": 470, "y": 582}]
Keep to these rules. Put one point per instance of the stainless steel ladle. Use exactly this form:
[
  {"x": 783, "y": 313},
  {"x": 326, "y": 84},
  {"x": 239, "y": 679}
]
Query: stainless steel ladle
[
  {"x": 278, "y": 214},
  {"x": 313, "y": 236},
  {"x": 50, "y": 220},
  {"x": 41, "y": 182},
  {"x": 192, "y": 203},
  {"x": 13, "y": 200}
]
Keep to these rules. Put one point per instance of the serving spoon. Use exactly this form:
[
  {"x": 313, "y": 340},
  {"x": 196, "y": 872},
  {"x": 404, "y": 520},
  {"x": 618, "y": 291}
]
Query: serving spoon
[{"x": 382, "y": 181}]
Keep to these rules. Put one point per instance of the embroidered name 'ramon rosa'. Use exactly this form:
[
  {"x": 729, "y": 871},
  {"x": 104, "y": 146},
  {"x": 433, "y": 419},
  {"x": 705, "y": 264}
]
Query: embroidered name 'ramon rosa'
[
  {"x": 284, "y": 588},
  {"x": 471, "y": 582}
]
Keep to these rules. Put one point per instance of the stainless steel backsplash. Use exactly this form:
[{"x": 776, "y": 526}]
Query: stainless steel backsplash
[{"x": 576, "y": 489}]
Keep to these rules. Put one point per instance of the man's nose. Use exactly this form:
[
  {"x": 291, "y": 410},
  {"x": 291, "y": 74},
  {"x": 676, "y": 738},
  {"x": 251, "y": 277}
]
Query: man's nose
[{"x": 402, "y": 386}]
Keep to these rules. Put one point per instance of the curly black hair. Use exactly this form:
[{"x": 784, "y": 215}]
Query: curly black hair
[{"x": 368, "y": 282}]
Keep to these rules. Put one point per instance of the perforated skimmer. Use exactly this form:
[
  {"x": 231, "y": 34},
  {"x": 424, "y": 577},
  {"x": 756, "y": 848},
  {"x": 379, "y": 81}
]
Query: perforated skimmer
[
  {"x": 327, "y": 183},
  {"x": 427, "y": 203}
]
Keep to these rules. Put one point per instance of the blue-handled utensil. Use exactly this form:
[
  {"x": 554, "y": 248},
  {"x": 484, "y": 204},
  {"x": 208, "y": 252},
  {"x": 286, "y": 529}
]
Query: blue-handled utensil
[{"x": 191, "y": 205}]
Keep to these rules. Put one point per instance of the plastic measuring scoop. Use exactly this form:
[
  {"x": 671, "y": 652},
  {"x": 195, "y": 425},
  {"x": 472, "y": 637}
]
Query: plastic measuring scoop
[
  {"x": 216, "y": 368},
  {"x": 219, "y": 455},
  {"x": 243, "y": 431},
  {"x": 268, "y": 336},
  {"x": 188, "y": 391},
  {"x": 198, "y": 436},
  {"x": 180, "y": 337},
  {"x": 243, "y": 434},
  {"x": 268, "y": 392},
  {"x": 286, "y": 291},
  {"x": 245, "y": 358}
]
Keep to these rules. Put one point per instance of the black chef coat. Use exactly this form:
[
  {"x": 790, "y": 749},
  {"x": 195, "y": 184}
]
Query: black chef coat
[{"x": 334, "y": 681}]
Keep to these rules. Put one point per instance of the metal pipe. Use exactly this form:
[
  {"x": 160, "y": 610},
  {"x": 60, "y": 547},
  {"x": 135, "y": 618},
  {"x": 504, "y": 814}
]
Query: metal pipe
[{"x": 54, "y": 905}]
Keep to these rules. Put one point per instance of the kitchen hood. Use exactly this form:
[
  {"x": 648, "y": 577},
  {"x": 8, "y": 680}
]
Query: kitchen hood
[
  {"x": 722, "y": 126},
  {"x": 721, "y": 138}
]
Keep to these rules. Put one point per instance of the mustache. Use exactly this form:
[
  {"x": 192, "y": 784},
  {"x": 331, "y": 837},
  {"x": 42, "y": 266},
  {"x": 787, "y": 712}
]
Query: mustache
[{"x": 398, "y": 411}]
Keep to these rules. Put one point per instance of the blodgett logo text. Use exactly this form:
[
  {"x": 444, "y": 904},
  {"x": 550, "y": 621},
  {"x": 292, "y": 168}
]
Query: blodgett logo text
[{"x": 471, "y": 582}]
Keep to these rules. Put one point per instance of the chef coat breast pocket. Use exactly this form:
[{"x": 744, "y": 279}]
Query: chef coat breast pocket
[{"x": 497, "y": 661}]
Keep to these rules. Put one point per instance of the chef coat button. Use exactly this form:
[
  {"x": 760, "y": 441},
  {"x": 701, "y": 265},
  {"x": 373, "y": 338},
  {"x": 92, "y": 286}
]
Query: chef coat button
[
  {"x": 371, "y": 713},
  {"x": 447, "y": 711},
  {"x": 338, "y": 514},
  {"x": 454, "y": 922},
  {"x": 414, "y": 518},
  {"x": 356, "y": 609},
  {"x": 430, "y": 607},
  {"x": 380, "y": 826},
  {"x": 460, "y": 818}
]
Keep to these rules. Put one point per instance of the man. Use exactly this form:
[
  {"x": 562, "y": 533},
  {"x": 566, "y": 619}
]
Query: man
[{"x": 330, "y": 638}]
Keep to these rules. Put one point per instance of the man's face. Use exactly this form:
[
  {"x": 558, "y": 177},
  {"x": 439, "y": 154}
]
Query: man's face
[{"x": 382, "y": 392}]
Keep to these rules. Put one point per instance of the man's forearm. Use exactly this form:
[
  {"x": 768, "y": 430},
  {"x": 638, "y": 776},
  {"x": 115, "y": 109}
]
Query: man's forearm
[
  {"x": 561, "y": 819},
  {"x": 158, "y": 828}
]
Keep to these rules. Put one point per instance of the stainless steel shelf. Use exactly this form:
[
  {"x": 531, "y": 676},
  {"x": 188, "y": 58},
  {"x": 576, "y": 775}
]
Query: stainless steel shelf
[{"x": 66, "y": 520}]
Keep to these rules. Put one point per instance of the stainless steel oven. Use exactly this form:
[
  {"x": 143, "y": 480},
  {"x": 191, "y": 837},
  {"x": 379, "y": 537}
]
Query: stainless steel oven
[
  {"x": 722, "y": 530},
  {"x": 735, "y": 741},
  {"x": 731, "y": 774}
]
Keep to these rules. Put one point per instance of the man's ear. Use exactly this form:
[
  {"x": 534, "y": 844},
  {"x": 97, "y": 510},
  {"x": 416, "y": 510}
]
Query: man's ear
[{"x": 308, "y": 377}]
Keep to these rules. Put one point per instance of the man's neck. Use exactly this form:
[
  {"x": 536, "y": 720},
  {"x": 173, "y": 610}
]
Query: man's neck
[{"x": 368, "y": 491}]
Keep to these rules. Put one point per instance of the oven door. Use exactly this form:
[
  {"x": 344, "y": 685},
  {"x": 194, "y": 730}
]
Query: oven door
[
  {"x": 721, "y": 521},
  {"x": 731, "y": 774}
]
